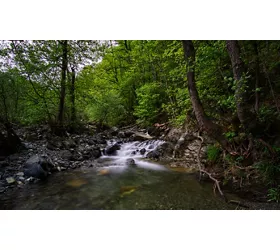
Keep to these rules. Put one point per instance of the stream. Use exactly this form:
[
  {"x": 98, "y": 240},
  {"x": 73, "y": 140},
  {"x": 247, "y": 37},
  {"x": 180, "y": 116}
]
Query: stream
[{"x": 126, "y": 180}]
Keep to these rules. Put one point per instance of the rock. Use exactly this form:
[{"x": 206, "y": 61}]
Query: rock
[
  {"x": 2, "y": 189},
  {"x": 54, "y": 144},
  {"x": 66, "y": 155},
  {"x": 38, "y": 167},
  {"x": 69, "y": 144},
  {"x": 50, "y": 146},
  {"x": 130, "y": 162},
  {"x": 20, "y": 174},
  {"x": 141, "y": 136},
  {"x": 10, "y": 180},
  {"x": 142, "y": 151},
  {"x": 163, "y": 150},
  {"x": 114, "y": 131},
  {"x": 122, "y": 134},
  {"x": 153, "y": 155},
  {"x": 4, "y": 164},
  {"x": 111, "y": 150},
  {"x": 91, "y": 152},
  {"x": 128, "y": 133}
]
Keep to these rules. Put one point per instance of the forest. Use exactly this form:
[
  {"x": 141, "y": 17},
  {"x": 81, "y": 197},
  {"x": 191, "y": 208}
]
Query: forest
[{"x": 222, "y": 94}]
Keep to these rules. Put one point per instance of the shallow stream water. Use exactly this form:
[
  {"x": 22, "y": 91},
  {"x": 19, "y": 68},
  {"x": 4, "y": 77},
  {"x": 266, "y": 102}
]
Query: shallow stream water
[{"x": 116, "y": 185}]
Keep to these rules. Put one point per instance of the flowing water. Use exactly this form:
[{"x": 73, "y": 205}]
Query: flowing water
[{"x": 118, "y": 185}]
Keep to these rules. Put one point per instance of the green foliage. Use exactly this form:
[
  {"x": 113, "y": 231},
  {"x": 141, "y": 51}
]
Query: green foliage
[
  {"x": 230, "y": 135},
  {"x": 213, "y": 153},
  {"x": 269, "y": 169},
  {"x": 150, "y": 98},
  {"x": 106, "y": 109},
  {"x": 274, "y": 194},
  {"x": 268, "y": 114}
]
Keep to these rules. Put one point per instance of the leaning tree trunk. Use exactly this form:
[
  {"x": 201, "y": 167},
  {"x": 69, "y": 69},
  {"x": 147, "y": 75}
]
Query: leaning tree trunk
[
  {"x": 246, "y": 117},
  {"x": 212, "y": 129},
  {"x": 62, "y": 84}
]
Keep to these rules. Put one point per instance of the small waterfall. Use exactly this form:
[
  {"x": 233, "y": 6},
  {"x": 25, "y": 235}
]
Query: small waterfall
[{"x": 135, "y": 150}]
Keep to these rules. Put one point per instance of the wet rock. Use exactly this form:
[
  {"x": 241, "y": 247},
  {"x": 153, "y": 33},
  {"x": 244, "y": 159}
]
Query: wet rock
[
  {"x": 130, "y": 162},
  {"x": 111, "y": 150},
  {"x": 153, "y": 155},
  {"x": 121, "y": 134},
  {"x": 162, "y": 151},
  {"x": 142, "y": 151},
  {"x": 38, "y": 167}
]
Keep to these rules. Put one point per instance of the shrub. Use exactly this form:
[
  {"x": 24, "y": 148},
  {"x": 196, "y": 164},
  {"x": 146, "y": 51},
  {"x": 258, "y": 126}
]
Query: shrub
[{"x": 213, "y": 153}]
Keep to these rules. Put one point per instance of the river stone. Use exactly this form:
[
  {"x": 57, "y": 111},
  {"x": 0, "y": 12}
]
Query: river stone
[
  {"x": 37, "y": 166},
  {"x": 66, "y": 154},
  {"x": 130, "y": 162},
  {"x": 111, "y": 150},
  {"x": 142, "y": 151},
  {"x": 10, "y": 180},
  {"x": 69, "y": 144}
]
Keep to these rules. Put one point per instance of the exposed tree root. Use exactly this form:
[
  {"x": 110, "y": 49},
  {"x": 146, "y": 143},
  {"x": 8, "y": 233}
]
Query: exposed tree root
[
  {"x": 216, "y": 182},
  {"x": 238, "y": 203}
]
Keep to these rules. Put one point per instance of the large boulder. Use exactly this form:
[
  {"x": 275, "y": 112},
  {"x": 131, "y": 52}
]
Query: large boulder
[
  {"x": 112, "y": 150},
  {"x": 164, "y": 150},
  {"x": 38, "y": 167}
]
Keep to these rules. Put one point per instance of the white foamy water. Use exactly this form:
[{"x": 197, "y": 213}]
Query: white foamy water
[{"x": 133, "y": 150}]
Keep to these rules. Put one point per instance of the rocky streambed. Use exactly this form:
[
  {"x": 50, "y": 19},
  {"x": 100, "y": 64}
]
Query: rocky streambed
[{"x": 109, "y": 170}]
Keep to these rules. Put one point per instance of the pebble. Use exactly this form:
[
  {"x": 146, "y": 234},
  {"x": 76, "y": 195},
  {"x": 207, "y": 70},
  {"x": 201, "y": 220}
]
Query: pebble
[{"x": 10, "y": 180}]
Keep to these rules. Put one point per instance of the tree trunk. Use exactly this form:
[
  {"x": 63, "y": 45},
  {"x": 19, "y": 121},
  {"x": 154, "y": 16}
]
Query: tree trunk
[
  {"x": 245, "y": 116},
  {"x": 72, "y": 94},
  {"x": 257, "y": 84},
  {"x": 212, "y": 129},
  {"x": 9, "y": 140},
  {"x": 62, "y": 84}
]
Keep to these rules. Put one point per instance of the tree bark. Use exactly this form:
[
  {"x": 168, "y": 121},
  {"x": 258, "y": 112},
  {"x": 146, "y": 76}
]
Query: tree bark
[
  {"x": 257, "y": 84},
  {"x": 62, "y": 84},
  {"x": 205, "y": 124},
  {"x": 72, "y": 94},
  {"x": 9, "y": 141},
  {"x": 245, "y": 116}
]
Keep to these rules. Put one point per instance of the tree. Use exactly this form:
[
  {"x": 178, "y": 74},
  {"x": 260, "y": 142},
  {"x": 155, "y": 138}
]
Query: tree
[
  {"x": 212, "y": 129},
  {"x": 63, "y": 83},
  {"x": 246, "y": 117}
]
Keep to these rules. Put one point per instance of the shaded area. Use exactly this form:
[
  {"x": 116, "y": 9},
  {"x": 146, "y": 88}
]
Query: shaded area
[{"x": 133, "y": 188}]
